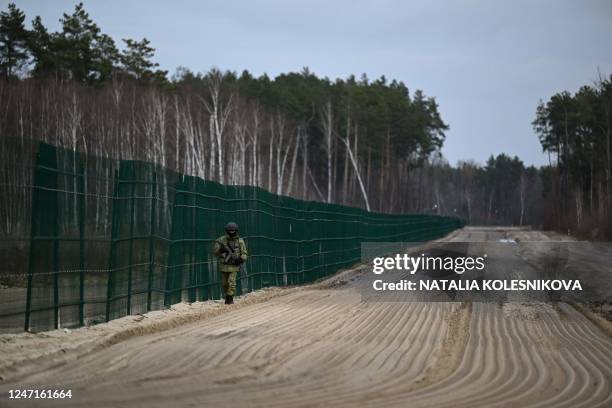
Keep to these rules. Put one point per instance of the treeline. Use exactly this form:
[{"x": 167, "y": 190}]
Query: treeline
[
  {"x": 573, "y": 193},
  {"x": 80, "y": 51},
  {"x": 351, "y": 141},
  {"x": 354, "y": 141},
  {"x": 576, "y": 132},
  {"x": 502, "y": 192}
]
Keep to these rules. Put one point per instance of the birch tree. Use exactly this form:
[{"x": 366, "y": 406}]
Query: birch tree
[
  {"x": 219, "y": 111},
  {"x": 355, "y": 164},
  {"x": 327, "y": 124}
]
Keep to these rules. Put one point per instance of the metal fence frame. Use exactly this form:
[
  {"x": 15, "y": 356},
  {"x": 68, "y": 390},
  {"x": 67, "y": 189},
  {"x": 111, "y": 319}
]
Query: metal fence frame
[{"x": 157, "y": 249}]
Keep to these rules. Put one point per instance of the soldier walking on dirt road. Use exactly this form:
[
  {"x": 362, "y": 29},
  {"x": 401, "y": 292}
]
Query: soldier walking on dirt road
[{"x": 232, "y": 252}]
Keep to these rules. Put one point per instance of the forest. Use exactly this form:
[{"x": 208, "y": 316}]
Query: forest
[{"x": 370, "y": 143}]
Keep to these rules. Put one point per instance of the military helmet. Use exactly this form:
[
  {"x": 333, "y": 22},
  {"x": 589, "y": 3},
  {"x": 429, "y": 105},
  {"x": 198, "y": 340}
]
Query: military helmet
[{"x": 231, "y": 226}]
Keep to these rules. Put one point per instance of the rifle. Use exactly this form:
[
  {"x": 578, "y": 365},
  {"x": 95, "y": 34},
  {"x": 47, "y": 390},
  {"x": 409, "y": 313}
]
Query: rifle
[{"x": 230, "y": 255}]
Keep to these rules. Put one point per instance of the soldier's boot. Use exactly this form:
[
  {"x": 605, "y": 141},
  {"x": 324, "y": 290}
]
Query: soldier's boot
[{"x": 229, "y": 300}]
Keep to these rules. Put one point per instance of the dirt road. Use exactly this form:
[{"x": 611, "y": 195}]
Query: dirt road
[{"x": 323, "y": 346}]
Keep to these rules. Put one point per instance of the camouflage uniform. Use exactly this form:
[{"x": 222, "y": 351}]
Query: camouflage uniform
[{"x": 229, "y": 271}]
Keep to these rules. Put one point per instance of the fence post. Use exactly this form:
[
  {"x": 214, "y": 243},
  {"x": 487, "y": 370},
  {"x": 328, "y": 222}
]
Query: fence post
[
  {"x": 130, "y": 250},
  {"x": 44, "y": 227},
  {"x": 56, "y": 307},
  {"x": 111, "y": 261},
  {"x": 151, "y": 238},
  {"x": 175, "y": 235},
  {"x": 81, "y": 192},
  {"x": 26, "y": 326},
  {"x": 192, "y": 246}
]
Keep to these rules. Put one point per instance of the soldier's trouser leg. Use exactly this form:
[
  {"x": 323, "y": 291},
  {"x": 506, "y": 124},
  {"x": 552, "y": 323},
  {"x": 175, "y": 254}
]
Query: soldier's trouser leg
[{"x": 229, "y": 283}]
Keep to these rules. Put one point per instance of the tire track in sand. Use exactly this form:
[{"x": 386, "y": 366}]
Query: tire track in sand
[{"x": 323, "y": 346}]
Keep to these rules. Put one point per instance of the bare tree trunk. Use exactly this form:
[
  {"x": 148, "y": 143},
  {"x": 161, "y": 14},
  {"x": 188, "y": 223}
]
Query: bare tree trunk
[
  {"x": 305, "y": 168},
  {"x": 271, "y": 154},
  {"x": 314, "y": 183},
  {"x": 392, "y": 185},
  {"x": 353, "y": 180},
  {"x": 578, "y": 195},
  {"x": 219, "y": 115},
  {"x": 177, "y": 116},
  {"x": 240, "y": 163},
  {"x": 294, "y": 159},
  {"x": 193, "y": 152},
  {"x": 437, "y": 196},
  {"x": 369, "y": 167},
  {"x": 419, "y": 203},
  {"x": 74, "y": 126},
  {"x": 384, "y": 168},
  {"x": 327, "y": 121},
  {"x": 255, "y": 178},
  {"x": 281, "y": 157},
  {"x": 357, "y": 172},
  {"x": 345, "y": 178},
  {"x": 212, "y": 160}
]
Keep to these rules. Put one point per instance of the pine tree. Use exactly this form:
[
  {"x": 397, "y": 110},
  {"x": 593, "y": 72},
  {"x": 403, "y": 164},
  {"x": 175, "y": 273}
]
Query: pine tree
[
  {"x": 13, "y": 41},
  {"x": 40, "y": 45},
  {"x": 136, "y": 61}
]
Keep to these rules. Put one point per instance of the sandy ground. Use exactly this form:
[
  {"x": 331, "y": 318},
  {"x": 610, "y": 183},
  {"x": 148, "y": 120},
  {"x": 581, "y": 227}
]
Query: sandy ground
[{"x": 320, "y": 345}]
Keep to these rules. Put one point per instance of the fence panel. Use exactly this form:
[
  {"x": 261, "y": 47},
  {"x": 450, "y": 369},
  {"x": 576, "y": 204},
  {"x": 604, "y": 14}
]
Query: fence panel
[{"x": 110, "y": 238}]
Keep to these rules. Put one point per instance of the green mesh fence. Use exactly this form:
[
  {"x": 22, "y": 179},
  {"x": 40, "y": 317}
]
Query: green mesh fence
[{"x": 110, "y": 238}]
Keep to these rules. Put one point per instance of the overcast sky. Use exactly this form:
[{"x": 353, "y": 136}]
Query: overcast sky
[{"x": 486, "y": 62}]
